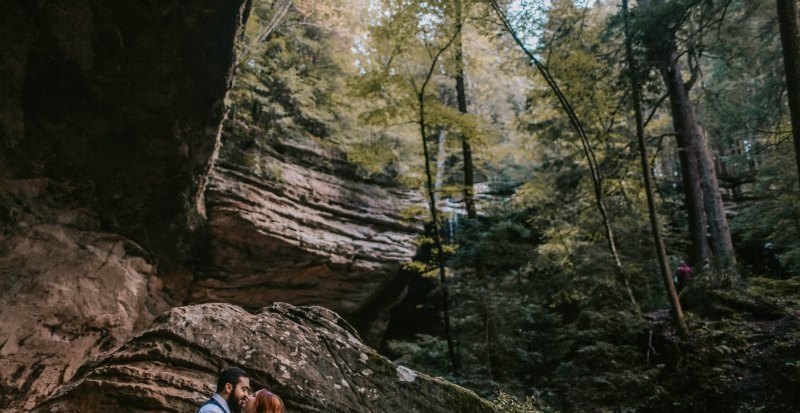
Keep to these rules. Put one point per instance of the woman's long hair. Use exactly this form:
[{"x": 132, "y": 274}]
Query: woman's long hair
[{"x": 267, "y": 402}]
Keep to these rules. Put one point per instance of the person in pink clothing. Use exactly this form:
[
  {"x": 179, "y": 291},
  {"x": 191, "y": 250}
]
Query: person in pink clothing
[{"x": 683, "y": 275}]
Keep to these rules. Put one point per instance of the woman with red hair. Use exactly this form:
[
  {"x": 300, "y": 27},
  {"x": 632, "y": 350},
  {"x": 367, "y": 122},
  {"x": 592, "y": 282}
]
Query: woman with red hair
[{"x": 263, "y": 402}]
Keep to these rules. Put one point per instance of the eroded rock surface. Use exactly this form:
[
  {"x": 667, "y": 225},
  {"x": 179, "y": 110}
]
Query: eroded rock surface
[
  {"x": 110, "y": 118},
  {"x": 289, "y": 217},
  {"x": 68, "y": 292},
  {"x": 309, "y": 356}
]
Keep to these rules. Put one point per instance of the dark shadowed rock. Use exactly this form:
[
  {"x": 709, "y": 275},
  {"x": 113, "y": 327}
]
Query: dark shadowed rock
[
  {"x": 308, "y": 355},
  {"x": 120, "y": 99}
]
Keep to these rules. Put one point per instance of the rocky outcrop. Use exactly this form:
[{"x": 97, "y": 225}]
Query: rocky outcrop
[
  {"x": 110, "y": 117},
  {"x": 109, "y": 121},
  {"x": 306, "y": 230},
  {"x": 68, "y": 291},
  {"x": 309, "y": 356}
]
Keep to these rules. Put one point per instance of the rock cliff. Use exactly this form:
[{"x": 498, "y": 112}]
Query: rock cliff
[
  {"x": 310, "y": 233},
  {"x": 309, "y": 356},
  {"x": 289, "y": 218},
  {"x": 122, "y": 100}
]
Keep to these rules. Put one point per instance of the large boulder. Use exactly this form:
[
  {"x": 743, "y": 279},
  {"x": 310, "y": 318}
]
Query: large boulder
[{"x": 308, "y": 355}]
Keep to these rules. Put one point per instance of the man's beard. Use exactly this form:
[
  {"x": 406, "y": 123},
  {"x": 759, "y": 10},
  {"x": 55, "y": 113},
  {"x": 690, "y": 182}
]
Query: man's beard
[{"x": 234, "y": 404}]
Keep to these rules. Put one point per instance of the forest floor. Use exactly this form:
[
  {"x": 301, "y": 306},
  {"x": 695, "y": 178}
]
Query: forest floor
[{"x": 743, "y": 354}]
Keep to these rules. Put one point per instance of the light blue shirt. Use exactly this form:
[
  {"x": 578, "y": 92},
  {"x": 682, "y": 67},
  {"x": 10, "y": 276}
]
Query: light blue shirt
[{"x": 213, "y": 408}]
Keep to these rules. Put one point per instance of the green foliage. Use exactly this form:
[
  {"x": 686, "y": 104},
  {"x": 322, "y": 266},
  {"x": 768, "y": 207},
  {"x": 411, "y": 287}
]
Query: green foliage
[
  {"x": 291, "y": 86},
  {"x": 773, "y": 214},
  {"x": 427, "y": 353}
]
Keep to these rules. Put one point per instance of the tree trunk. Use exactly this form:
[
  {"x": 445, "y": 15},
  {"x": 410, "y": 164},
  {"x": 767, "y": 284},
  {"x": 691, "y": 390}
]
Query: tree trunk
[
  {"x": 469, "y": 190},
  {"x": 787, "y": 20},
  {"x": 703, "y": 197},
  {"x": 721, "y": 242},
  {"x": 701, "y": 188},
  {"x": 437, "y": 240},
  {"x": 440, "y": 161},
  {"x": 469, "y": 180},
  {"x": 280, "y": 10},
  {"x": 666, "y": 272},
  {"x": 690, "y": 174}
]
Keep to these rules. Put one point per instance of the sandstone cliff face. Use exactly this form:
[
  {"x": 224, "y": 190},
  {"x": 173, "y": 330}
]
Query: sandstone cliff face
[
  {"x": 309, "y": 356},
  {"x": 309, "y": 232},
  {"x": 289, "y": 218}
]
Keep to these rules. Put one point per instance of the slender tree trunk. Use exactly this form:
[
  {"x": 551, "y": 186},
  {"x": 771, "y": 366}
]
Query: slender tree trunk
[
  {"x": 597, "y": 180},
  {"x": 721, "y": 242},
  {"x": 790, "y": 39},
  {"x": 280, "y": 10},
  {"x": 469, "y": 180},
  {"x": 437, "y": 241},
  {"x": 666, "y": 272},
  {"x": 703, "y": 198}
]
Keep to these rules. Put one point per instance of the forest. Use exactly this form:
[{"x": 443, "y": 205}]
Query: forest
[{"x": 570, "y": 153}]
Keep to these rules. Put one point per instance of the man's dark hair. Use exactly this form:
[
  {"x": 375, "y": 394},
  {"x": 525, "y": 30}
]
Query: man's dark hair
[{"x": 230, "y": 375}]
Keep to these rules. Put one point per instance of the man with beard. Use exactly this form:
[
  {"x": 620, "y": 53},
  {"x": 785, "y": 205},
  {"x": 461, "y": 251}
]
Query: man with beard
[{"x": 233, "y": 386}]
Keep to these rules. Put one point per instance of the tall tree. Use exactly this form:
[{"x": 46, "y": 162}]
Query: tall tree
[
  {"x": 589, "y": 154},
  {"x": 666, "y": 273},
  {"x": 684, "y": 123},
  {"x": 469, "y": 175},
  {"x": 790, "y": 38},
  {"x": 703, "y": 197}
]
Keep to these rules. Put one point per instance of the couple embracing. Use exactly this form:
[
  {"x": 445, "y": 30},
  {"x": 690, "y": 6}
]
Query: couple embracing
[{"x": 233, "y": 396}]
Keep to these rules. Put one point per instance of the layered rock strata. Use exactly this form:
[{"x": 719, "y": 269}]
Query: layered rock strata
[
  {"x": 305, "y": 230},
  {"x": 109, "y": 123},
  {"x": 309, "y": 356}
]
